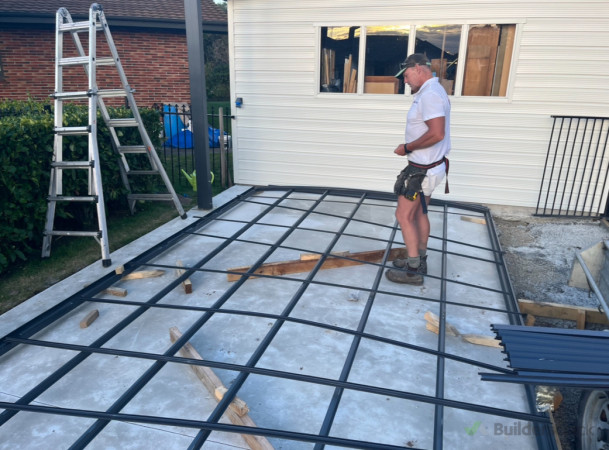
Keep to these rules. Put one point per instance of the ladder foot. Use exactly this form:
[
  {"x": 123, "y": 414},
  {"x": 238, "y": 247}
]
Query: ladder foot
[
  {"x": 106, "y": 262},
  {"x": 183, "y": 216}
]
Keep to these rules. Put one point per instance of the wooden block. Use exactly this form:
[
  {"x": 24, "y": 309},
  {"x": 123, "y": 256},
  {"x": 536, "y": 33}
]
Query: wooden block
[
  {"x": 564, "y": 312},
  {"x": 581, "y": 320},
  {"x": 332, "y": 262},
  {"x": 89, "y": 318},
  {"x": 557, "y": 400},
  {"x": 119, "y": 270},
  {"x": 237, "y": 411},
  {"x": 530, "y": 320},
  {"x": 116, "y": 291},
  {"x": 143, "y": 274},
  {"x": 186, "y": 284},
  {"x": 480, "y": 220}
]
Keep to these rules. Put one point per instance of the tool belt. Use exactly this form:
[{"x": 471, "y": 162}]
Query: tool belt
[{"x": 409, "y": 181}]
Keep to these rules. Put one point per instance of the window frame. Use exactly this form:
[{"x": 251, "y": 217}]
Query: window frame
[{"x": 459, "y": 78}]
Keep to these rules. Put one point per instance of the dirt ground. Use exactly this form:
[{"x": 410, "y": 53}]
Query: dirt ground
[{"x": 539, "y": 253}]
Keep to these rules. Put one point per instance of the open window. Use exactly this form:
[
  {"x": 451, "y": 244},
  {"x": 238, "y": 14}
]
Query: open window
[
  {"x": 488, "y": 61},
  {"x": 386, "y": 48},
  {"x": 339, "y": 59},
  {"x": 440, "y": 43}
]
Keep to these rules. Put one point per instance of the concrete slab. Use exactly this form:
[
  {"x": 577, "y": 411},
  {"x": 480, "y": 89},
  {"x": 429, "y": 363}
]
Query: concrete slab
[{"x": 339, "y": 356}]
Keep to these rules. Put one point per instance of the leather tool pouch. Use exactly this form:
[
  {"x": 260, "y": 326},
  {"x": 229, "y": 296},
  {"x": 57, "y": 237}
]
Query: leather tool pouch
[{"x": 408, "y": 182}]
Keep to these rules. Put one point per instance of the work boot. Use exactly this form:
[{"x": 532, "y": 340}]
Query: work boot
[
  {"x": 408, "y": 275},
  {"x": 400, "y": 263}
]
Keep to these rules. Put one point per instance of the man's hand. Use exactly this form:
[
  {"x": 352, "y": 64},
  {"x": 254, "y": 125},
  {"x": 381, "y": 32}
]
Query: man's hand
[{"x": 399, "y": 150}]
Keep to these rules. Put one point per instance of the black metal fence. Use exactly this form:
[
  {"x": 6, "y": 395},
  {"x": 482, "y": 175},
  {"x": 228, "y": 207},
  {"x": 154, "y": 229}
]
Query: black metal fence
[
  {"x": 574, "y": 182},
  {"x": 177, "y": 149}
]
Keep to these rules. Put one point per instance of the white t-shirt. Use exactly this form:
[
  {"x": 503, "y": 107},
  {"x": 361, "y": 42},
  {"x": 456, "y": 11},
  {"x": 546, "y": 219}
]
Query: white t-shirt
[{"x": 428, "y": 103}]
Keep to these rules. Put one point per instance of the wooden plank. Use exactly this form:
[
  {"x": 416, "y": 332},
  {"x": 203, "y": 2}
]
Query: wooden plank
[
  {"x": 116, "y": 291},
  {"x": 581, "y": 320},
  {"x": 436, "y": 329},
  {"x": 298, "y": 266},
  {"x": 434, "y": 321},
  {"x": 564, "y": 312},
  {"x": 316, "y": 256},
  {"x": 347, "y": 73},
  {"x": 433, "y": 325},
  {"x": 509, "y": 35},
  {"x": 478, "y": 339},
  {"x": 480, "y": 61},
  {"x": 353, "y": 81},
  {"x": 89, "y": 318},
  {"x": 237, "y": 411},
  {"x": 186, "y": 284},
  {"x": 143, "y": 274},
  {"x": 480, "y": 220}
]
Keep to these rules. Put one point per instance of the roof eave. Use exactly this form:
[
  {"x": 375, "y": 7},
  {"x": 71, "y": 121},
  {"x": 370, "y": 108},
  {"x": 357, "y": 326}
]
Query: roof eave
[{"x": 129, "y": 22}]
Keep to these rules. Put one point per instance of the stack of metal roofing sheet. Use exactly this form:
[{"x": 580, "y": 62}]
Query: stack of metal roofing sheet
[{"x": 554, "y": 356}]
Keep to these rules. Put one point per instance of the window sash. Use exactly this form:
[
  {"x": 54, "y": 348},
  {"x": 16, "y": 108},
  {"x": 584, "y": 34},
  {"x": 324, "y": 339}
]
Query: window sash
[{"x": 500, "y": 81}]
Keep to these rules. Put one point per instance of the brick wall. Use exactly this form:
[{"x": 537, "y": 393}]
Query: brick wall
[{"x": 155, "y": 62}]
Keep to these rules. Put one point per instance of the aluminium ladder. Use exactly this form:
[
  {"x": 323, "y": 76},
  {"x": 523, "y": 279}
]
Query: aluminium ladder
[{"x": 97, "y": 22}]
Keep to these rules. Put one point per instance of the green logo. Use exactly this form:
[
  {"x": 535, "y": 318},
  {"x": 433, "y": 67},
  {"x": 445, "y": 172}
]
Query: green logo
[{"x": 472, "y": 430}]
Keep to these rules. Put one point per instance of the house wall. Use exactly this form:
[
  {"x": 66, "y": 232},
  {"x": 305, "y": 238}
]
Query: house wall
[
  {"x": 156, "y": 64},
  {"x": 288, "y": 133}
]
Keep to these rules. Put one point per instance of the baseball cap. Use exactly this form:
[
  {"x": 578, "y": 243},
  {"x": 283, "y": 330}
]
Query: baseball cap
[{"x": 413, "y": 60}]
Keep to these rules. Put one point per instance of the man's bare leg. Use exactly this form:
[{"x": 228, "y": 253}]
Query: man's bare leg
[{"x": 413, "y": 223}]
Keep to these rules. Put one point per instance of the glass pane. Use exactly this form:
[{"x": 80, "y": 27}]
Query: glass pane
[
  {"x": 440, "y": 43},
  {"x": 339, "y": 58},
  {"x": 386, "y": 48},
  {"x": 489, "y": 57}
]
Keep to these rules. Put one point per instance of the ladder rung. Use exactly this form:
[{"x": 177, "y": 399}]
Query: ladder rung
[
  {"x": 65, "y": 131},
  {"x": 74, "y": 61},
  {"x": 67, "y": 198},
  {"x": 143, "y": 172},
  {"x": 104, "y": 61},
  {"x": 122, "y": 123},
  {"x": 123, "y": 149},
  {"x": 96, "y": 234},
  {"x": 112, "y": 93},
  {"x": 80, "y": 60},
  {"x": 72, "y": 164},
  {"x": 164, "y": 197},
  {"x": 77, "y": 26},
  {"x": 71, "y": 95}
]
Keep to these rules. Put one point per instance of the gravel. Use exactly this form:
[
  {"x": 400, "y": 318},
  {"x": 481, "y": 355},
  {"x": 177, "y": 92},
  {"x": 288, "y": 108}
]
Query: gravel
[{"x": 539, "y": 254}]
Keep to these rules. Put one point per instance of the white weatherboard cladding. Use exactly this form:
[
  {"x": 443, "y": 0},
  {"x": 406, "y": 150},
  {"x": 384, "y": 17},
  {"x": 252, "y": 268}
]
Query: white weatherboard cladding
[{"x": 288, "y": 133}]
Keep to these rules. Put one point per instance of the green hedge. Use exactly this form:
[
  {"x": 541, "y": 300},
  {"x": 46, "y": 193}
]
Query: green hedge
[{"x": 26, "y": 137}]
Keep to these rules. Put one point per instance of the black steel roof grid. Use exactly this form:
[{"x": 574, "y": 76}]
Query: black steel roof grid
[{"x": 22, "y": 335}]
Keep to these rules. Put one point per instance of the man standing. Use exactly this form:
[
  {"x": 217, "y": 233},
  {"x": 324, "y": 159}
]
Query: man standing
[{"x": 427, "y": 144}]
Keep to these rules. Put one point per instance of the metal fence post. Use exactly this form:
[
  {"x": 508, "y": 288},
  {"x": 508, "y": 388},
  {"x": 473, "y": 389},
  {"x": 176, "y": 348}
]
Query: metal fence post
[{"x": 198, "y": 97}]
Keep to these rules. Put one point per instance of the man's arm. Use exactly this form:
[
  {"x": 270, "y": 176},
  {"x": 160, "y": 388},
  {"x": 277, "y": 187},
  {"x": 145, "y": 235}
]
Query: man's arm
[{"x": 433, "y": 135}]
